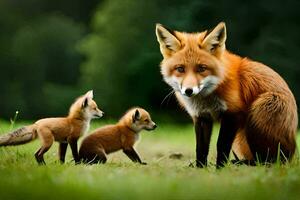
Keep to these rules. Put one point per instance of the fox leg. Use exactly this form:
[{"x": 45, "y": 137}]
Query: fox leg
[
  {"x": 99, "y": 157},
  {"x": 94, "y": 156},
  {"x": 203, "y": 129},
  {"x": 62, "y": 151},
  {"x": 241, "y": 149},
  {"x": 133, "y": 156},
  {"x": 74, "y": 148},
  {"x": 229, "y": 125},
  {"x": 47, "y": 140},
  {"x": 39, "y": 156}
]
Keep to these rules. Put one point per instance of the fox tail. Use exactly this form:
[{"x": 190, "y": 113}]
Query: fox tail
[{"x": 20, "y": 136}]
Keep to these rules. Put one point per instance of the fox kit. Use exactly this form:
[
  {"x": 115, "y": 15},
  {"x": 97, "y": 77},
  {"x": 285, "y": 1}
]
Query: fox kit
[
  {"x": 65, "y": 130},
  {"x": 111, "y": 138},
  {"x": 256, "y": 109}
]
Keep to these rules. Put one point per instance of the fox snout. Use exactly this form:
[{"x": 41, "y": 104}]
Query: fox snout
[
  {"x": 100, "y": 114},
  {"x": 152, "y": 127},
  {"x": 206, "y": 87}
]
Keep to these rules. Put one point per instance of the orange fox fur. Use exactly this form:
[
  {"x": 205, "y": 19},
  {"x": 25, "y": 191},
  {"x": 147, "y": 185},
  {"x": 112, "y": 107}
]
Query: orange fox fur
[
  {"x": 256, "y": 109},
  {"x": 65, "y": 130},
  {"x": 111, "y": 138}
]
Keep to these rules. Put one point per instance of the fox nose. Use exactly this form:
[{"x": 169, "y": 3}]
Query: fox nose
[
  {"x": 188, "y": 92},
  {"x": 154, "y": 126},
  {"x": 101, "y": 114}
]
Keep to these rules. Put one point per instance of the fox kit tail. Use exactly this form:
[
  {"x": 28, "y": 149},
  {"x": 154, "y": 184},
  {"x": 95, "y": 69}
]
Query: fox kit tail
[{"x": 20, "y": 136}]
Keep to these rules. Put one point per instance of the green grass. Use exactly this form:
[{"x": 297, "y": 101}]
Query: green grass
[{"x": 162, "y": 178}]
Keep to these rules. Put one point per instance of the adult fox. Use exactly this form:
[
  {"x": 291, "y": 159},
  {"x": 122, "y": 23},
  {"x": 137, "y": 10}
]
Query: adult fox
[{"x": 256, "y": 109}]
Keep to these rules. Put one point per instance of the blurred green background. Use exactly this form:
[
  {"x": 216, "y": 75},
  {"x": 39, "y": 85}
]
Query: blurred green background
[{"x": 54, "y": 50}]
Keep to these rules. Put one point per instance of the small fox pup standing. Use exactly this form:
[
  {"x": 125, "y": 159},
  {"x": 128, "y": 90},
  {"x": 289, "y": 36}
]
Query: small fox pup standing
[
  {"x": 112, "y": 138},
  {"x": 255, "y": 106},
  {"x": 65, "y": 130}
]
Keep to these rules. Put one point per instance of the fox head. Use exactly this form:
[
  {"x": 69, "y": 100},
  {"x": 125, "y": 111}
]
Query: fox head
[
  {"x": 85, "y": 107},
  {"x": 192, "y": 62},
  {"x": 139, "y": 119}
]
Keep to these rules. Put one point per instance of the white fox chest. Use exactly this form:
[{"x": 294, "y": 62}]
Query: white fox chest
[
  {"x": 202, "y": 106},
  {"x": 85, "y": 128}
]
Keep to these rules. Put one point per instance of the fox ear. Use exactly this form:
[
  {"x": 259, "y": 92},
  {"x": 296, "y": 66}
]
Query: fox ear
[
  {"x": 85, "y": 102},
  {"x": 167, "y": 40},
  {"x": 90, "y": 94},
  {"x": 136, "y": 115},
  {"x": 214, "y": 42}
]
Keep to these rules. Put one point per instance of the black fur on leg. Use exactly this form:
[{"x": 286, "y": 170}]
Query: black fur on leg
[{"x": 203, "y": 130}]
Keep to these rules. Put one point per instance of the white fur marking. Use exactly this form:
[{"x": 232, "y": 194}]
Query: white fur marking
[
  {"x": 85, "y": 127},
  {"x": 136, "y": 137},
  {"x": 209, "y": 84}
]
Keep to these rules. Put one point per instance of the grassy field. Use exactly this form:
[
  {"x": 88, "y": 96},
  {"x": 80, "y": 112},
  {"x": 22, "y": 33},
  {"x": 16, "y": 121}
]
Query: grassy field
[{"x": 162, "y": 178}]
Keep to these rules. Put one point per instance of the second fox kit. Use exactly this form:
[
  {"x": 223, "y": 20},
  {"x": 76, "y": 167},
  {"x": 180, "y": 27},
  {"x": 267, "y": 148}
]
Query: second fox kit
[
  {"x": 112, "y": 138},
  {"x": 65, "y": 130}
]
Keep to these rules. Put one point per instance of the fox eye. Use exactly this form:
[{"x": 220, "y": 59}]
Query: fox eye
[
  {"x": 146, "y": 120},
  {"x": 180, "y": 69},
  {"x": 201, "y": 68}
]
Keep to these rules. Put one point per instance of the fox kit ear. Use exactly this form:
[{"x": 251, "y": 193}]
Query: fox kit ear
[
  {"x": 214, "y": 42},
  {"x": 167, "y": 40},
  {"x": 136, "y": 115},
  {"x": 90, "y": 94},
  {"x": 85, "y": 102}
]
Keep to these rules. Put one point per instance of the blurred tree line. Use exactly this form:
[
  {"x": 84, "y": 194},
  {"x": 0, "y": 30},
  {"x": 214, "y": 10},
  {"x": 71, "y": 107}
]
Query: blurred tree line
[{"x": 52, "y": 51}]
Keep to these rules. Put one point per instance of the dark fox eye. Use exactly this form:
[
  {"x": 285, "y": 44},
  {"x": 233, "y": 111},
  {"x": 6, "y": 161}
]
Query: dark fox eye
[
  {"x": 180, "y": 69},
  {"x": 146, "y": 120},
  {"x": 201, "y": 68}
]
